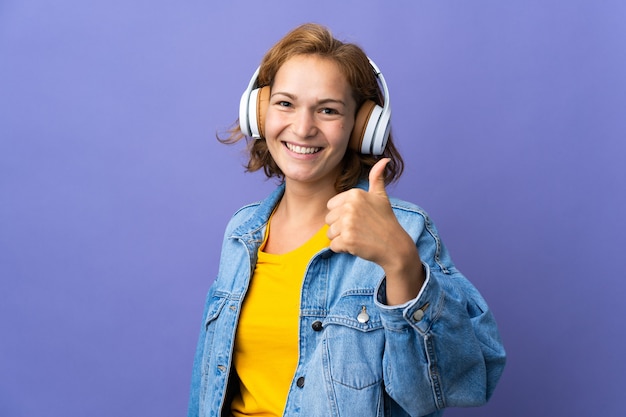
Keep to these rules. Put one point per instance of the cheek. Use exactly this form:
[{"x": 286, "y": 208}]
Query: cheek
[
  {"x": 346, "y": 131},
  {"x": 349, "y": 124},
  {"x": 272, "y": 124}
]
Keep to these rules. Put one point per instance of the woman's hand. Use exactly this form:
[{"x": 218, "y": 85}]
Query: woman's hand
[{"x": 363, "y": 224}]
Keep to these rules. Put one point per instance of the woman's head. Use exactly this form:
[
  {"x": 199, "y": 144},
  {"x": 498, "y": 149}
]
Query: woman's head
[{"x": 353, "y": 63}]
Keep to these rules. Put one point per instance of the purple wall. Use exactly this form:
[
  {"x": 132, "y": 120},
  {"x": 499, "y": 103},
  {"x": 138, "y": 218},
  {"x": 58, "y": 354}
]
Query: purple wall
[{"x": 114, "y": 193}]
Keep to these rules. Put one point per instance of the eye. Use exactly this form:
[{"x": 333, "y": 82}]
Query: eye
[
  {"x": 328, "y": 110},
  {"x": 283, "y": 103}
]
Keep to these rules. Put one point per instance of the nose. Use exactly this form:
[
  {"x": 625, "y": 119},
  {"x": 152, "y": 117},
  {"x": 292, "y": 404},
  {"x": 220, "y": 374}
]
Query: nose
[{"x": 304, "y": 124}]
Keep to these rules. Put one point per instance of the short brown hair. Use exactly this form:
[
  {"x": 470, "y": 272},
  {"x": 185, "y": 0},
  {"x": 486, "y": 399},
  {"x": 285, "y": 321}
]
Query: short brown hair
[{"x": 314, "y": 39}]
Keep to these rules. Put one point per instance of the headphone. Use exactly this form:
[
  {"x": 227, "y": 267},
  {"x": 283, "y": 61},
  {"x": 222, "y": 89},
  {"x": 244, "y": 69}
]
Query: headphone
[{"x": 371, "y": 126}]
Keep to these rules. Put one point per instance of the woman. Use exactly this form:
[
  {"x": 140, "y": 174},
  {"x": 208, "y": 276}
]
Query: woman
[{"x": 331, "y": 298}]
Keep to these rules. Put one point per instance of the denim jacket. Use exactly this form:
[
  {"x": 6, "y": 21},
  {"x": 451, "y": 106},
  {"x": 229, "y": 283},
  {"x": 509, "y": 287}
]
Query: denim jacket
[{"x": 357, "y": 356}]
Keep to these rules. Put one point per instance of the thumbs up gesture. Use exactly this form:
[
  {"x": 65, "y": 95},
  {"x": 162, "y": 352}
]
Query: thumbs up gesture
[
  {"x": 359, "y": 220},
  {"x": 363, "y": 224}
]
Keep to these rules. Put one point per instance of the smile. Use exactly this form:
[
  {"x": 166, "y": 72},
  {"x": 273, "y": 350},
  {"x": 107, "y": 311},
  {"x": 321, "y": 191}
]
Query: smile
[{"x": 303, "y": 150}]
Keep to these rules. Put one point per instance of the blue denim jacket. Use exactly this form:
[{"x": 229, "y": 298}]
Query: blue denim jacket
[{"x": 441, "y": 349}]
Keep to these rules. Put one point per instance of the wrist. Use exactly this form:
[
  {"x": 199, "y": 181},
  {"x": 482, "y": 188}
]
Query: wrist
[{"x": 404, "y": 275}]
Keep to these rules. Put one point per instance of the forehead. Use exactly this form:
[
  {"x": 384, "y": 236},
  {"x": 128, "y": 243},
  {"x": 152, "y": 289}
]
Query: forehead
[{"x": 312, "y": 72}]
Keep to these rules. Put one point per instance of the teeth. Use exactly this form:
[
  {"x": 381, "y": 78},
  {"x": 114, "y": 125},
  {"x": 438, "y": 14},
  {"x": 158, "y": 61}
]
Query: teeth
[{"x": 302, "y": 149}]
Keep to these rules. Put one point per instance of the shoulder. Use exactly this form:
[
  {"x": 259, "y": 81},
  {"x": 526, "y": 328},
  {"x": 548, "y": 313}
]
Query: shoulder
[
  {"x": 241, "y": 217},
  {"x": 407, "y": 210},
  {"x": 245, "y": 211},
  {"x": 399, "y": 205},
  {"x": 413, "y": 218}
]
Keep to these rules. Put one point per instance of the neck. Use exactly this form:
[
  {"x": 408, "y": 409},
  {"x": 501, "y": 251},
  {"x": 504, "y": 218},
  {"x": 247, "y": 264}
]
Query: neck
[{"x": 305, "y": 202}]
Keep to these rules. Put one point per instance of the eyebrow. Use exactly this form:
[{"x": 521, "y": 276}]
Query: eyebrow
[{"x": 322, "y": 101}]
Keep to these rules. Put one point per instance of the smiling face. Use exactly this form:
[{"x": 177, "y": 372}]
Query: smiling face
[{"x": 309, "y": 119}]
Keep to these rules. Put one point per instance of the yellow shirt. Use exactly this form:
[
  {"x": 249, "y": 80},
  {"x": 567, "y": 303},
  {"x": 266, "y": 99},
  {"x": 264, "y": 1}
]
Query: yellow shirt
[{"x": 266, "y": 344}]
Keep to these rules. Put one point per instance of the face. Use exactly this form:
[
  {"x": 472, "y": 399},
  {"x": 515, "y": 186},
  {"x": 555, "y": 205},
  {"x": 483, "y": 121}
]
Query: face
[{"x": 309, "y": 119}]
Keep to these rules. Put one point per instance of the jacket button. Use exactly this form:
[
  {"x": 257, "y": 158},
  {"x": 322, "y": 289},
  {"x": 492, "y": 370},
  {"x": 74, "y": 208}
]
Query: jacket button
[
  {"x": 363, "y": 317},
  {"x": 300, "y": 382},
  {"x": 317, "y": 325},
  {"x": 418, "y": 315}
]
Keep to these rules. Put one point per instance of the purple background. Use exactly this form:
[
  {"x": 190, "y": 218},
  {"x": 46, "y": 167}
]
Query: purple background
[{"x": 114, "y": 193}]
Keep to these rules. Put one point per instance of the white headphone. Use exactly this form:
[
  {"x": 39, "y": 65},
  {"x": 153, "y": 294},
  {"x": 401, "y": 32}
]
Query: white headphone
[{"x": 371, "y": 127}]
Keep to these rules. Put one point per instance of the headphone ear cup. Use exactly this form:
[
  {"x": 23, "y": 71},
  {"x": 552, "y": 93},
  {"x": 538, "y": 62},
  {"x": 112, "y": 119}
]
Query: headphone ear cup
[
  {"x": 380, "y": 136},
  {"x": 262, "y": 103},
  {"x": 252, "y": 112},
  {"x": 357, "y": 137},
  {"x": 244, "y": 113},
  {"x": 375, "y": 127}
]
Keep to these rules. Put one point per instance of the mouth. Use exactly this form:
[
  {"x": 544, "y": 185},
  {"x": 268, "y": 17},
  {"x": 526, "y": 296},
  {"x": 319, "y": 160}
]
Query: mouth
[{"x": 302, "y": 150}]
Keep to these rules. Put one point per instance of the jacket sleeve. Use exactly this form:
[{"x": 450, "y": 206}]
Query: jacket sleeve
[{"x": 443, "y": 348}]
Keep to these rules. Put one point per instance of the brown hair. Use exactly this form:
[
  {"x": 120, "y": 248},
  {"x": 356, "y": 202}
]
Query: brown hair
[{"x": 313, "y": 39}]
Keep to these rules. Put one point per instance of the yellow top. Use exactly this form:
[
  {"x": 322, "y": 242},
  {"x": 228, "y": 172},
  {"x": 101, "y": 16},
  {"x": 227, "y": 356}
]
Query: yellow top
[{"x": 266, "y": 344}]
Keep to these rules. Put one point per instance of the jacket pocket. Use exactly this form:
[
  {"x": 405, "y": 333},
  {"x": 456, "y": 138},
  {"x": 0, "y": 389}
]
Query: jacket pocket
[
  {"x": 354, "y": 341},
  {"x": 215, "y": 304},
  {"x": 214, "y": 307}
]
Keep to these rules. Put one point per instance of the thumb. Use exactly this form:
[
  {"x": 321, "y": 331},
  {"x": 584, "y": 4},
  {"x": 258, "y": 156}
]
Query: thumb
[{"x": 377, "y": 177}]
